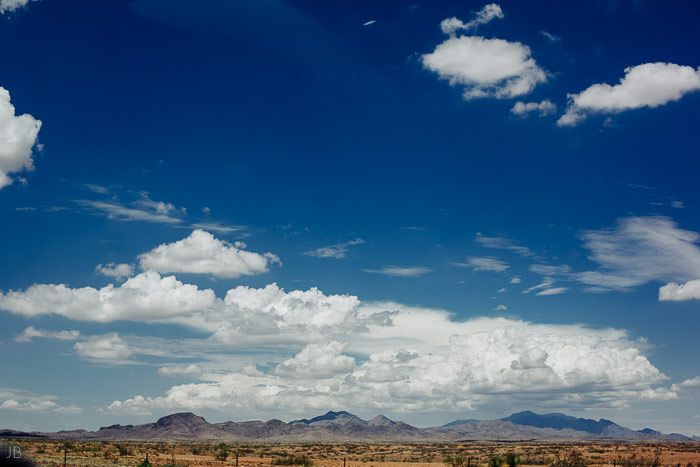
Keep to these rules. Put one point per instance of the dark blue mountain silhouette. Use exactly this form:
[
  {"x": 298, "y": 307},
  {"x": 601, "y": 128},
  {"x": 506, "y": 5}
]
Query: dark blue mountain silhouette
[{"x": 559, "y": 421}]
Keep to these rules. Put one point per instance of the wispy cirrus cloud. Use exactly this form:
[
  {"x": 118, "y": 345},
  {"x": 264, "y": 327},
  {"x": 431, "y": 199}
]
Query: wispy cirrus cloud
[
  {"x": 95, "y": 188},
  {"x": 484, "y": 263},
  {"x": 31, "y": 333},
  {"x": 502, "y": 243},
  {"x": 399, "y": 271},
  {"x": 549, "y": 36},
  {"x": 634, "y": 252},
  {"x": 145, "y": 212},
  {"x": 138, "y": 206},
  {"x": 484, "y": 16},
  {"x": 551, "y": 270},
  {"x": 218, "y": 227},
  {"x": 552, "y": 291},
  {"x": 336, "y": 251},
  {"x": 639, "y": 250},
  {"x": 545, "y": 284}
]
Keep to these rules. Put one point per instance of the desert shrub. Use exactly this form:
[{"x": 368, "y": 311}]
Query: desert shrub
[
  {"x": 458, "y": 461},
  {"x": 495, "y": 461},
  {"x": 302, "y": 461},
  {"x": 511, "y": 459},
  {"x": 635, "y": 461},
  {"x": 533, "y": 460},
  {"x": 222, "y": 455},
  {"x": 123, "y": 450},
  {"x": 569, "y": 459},
  {"x": 145, "y": 463}
]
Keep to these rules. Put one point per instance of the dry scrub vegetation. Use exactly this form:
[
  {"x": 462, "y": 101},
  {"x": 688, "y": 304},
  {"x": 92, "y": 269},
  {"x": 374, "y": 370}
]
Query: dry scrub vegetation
[{"x": 481, "y": 454}]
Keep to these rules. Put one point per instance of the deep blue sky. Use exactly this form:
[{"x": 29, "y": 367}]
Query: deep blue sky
[{"x": 298, "y": 127}]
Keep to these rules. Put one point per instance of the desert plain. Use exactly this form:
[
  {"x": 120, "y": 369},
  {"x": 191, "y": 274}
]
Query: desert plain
[{"x": 473, "y": 454}]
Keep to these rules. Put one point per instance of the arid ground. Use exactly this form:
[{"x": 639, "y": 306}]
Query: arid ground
[{"x": 171, "y": 454}]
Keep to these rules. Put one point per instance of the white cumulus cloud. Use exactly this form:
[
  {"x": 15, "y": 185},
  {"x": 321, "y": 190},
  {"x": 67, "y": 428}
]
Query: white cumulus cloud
[
  {"x": 688, "y": 383},
  {"x": 485, "y": 67},
  {"x": 202, "y": 253},
  {"x": 679, "y": 292},
  {"x": 145, "y": 297},
  {"x": 270, "y": 314},
  {"x": 118, "y": 271},
  {"x": 543, "y": 108},
  {"x": 647, "y": 85},
  {"x": 107, "y": 347},
  {"x": 424, "y": 361},
  {"x": 29, "y": 406},
  {"x": 305, "y": 350},
  {"x": 322, "y": 360},
  {"x": 18, "y": 133},
  {"x": 12, "y": 5}
]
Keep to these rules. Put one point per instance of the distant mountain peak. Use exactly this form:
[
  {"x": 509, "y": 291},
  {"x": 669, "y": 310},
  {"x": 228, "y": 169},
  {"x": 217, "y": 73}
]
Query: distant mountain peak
[
  {"x": 182, "y": 418},
  {"x": 331, "y": 416},
  {"x": 336, "y": 426},
  {"x": 460, "y": 422},
  {"x": 381, "y": 420},
  {"x": 560, "y": 421}
]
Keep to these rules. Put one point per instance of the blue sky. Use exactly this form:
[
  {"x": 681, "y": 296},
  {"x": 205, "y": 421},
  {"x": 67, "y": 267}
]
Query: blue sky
[{"x": 437, "y": 210}]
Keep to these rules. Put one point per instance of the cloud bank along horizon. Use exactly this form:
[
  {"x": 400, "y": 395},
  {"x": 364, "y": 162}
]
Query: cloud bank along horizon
[{"x": 378, "y": 354}]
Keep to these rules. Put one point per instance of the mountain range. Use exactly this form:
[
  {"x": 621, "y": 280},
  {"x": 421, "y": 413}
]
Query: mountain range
[{"x": 344, "y": 426}]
